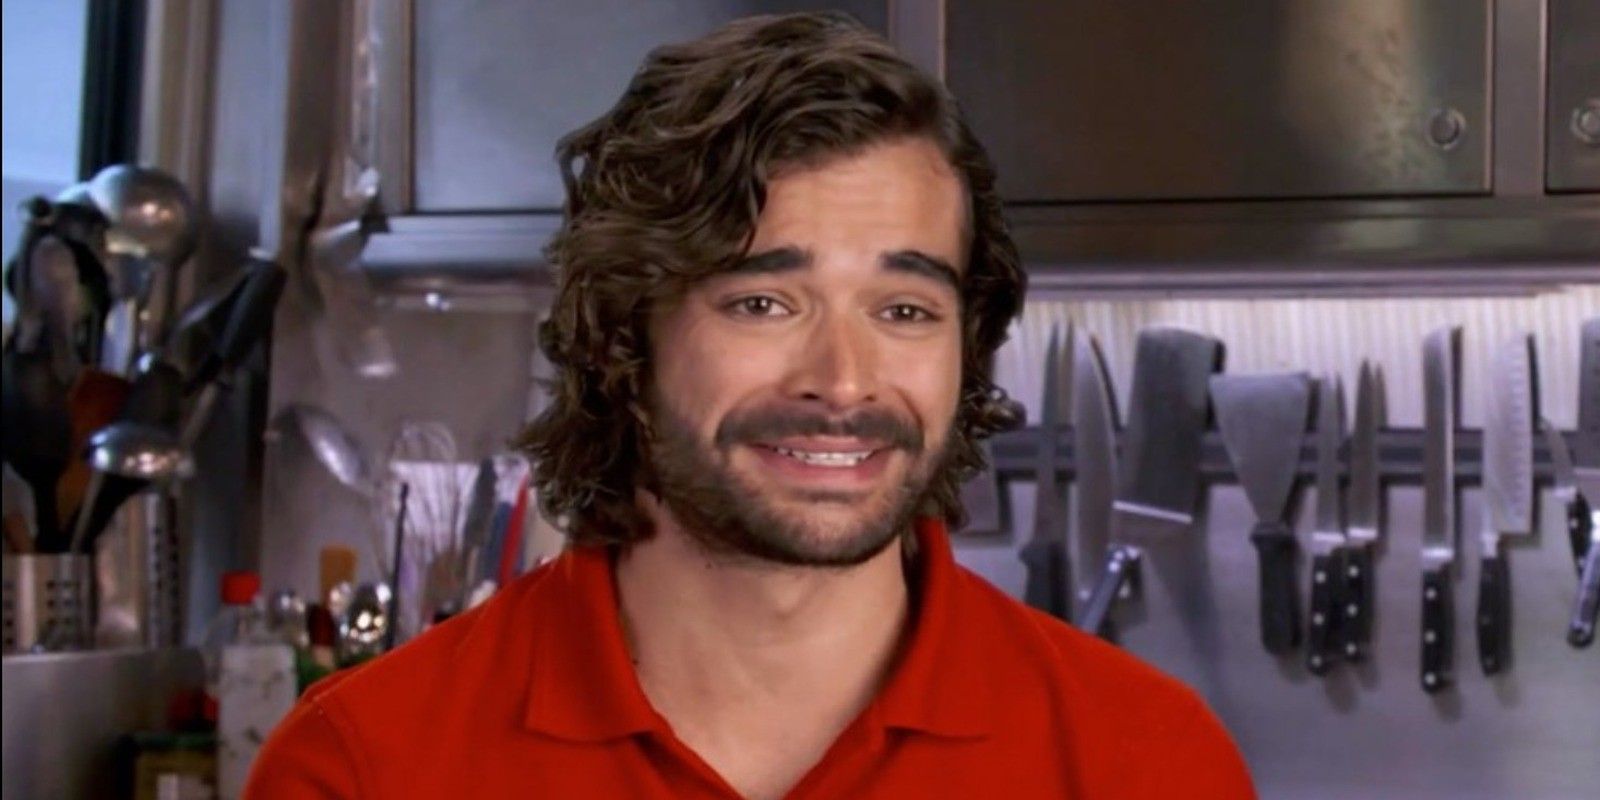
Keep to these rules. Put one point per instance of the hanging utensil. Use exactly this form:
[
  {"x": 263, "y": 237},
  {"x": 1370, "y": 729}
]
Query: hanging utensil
[
  {"x": 1262, "y": 419},
  {"x": 1507, "y": 492},
  {"x": 1364, "y": 526},
  {"x": 1159, "y": 482},
  {"x": 1049, "y": 584},
  {"x": 1328, "y": 596},
  {"x": 1441, "y": 355}
]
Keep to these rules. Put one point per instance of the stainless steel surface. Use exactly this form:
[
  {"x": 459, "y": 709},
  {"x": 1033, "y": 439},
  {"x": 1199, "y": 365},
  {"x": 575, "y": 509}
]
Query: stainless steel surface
[
  {"x": 64, "y": 714},
  {"x": 1343, "y": 98},
  {"x": 1508, "y": 443},
  {"x": 1518, "y": 94},
  {"x": 497, "y": 83},
  {"x": 1094, "y": 440},
  {"x": 138, "y": 576},
  {"x": 1366, "y": 492},
  {"x": 1441, "y": 357},
  {"x": 1587, "y": 451},
  {"x": 150, "y": 213},
  {"x": 49, "y": 603},
  {"x": 1572, "y": 111}
]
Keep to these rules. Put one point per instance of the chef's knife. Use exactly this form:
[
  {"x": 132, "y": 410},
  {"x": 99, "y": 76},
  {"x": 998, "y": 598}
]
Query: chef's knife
[
  {"x": 1094, "y": 445},
  {"x": 1364, "y": 506},
  {"x": 1324, "y": 643},
  {"x": 1045, "y": 554},
  {"x": 1263, "y": 422},
  {"x": 1441, "y": 353},
  {"x": 1580, "y": 631},
  {"x": 1159, "y": 480},
  {"x": 1507, "y": 492}
]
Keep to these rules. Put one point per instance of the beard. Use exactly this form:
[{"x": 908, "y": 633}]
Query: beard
[{"x": 728, "y": 515}]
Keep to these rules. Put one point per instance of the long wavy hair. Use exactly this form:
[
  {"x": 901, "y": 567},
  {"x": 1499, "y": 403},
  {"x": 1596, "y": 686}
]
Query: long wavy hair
[{"x": 665, "y": 189}]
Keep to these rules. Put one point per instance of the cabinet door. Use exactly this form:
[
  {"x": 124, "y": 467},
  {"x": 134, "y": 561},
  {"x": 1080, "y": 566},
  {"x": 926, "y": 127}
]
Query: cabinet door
[
  {"x": 1572, "y": 121},
  {"x": 1086, "y": 100},
  {"x": 497, "y": 82}
]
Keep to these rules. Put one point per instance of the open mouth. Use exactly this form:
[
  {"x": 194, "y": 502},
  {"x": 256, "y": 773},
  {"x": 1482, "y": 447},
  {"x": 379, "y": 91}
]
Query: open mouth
[
  {"x": 850, "y": 464},
  {"x": 826, "y": 459}
]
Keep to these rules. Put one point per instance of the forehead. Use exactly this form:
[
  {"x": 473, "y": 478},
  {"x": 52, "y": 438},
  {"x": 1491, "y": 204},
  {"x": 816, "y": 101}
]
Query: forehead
[{"x": 900, "y": 195}]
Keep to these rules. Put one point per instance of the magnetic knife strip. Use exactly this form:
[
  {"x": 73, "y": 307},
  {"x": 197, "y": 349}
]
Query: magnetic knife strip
[{"x": 1399, "y": 456}]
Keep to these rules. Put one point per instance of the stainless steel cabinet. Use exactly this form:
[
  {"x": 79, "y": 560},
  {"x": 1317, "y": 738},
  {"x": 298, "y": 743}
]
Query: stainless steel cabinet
[
  {"x": 1572, "y": 117},
  {"x": 497, "y": 82},
  {"x": 1233, "y": 99}
]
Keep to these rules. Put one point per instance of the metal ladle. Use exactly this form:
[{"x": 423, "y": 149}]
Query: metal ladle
[{"x": 134, "y": 450}]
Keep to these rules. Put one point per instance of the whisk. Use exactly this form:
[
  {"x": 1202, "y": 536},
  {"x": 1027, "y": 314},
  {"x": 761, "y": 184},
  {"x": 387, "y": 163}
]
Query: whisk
[{"x": 423, "y": 456}]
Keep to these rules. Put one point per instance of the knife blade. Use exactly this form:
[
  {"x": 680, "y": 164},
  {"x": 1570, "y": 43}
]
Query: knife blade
[
  {"x": 1441, "y": 355},
  {"x": 1324, "y": 643},
  {"x": 1564, "y": 486},
  {"x": 1049, "y": 581},
  {"x": 1363, "y": 525},
  {"x": 1094, "y": 444},
  {"x": 1158, "y": 481},
  {"x": 1507, "y": 492},
  {"x": 1586, "y": 605},
  {"x": 1262, "y": 419}
]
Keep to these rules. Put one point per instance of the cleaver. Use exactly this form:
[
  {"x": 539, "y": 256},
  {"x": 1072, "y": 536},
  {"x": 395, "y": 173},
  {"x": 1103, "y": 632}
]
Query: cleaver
[
  {"x": 1158, "y": 482},
  {"x": 1507, "y": 492}
]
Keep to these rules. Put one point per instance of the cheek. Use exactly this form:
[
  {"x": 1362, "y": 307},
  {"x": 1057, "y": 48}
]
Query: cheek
[{"x": 702, "y": 375}]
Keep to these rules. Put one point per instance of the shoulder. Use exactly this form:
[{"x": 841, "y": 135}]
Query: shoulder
[{"x": 1089, "y": 677}]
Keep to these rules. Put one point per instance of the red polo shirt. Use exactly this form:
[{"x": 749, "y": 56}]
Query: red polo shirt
[{"x": 533, "y": 695}]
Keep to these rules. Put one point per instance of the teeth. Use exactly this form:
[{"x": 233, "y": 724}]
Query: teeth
[{"x": 826, "y": 459}]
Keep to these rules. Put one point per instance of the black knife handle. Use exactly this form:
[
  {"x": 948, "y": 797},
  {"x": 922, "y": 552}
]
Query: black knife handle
[
  {"x": 1494, "y": 614},
  {"x": 1321, "y": 643},
  {"x": 1360, "y": 598},
  {"x": 1578, "y": 530},
  {"x": 1280, "y": 603},
  {"x": 1119, "y": 562},
  {"x": 1438, "y": 630},
  {"x": 1048, "y": 577},
  {"x": 1580, "y": 633}
]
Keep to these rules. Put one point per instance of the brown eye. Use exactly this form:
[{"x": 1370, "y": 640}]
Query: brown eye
[
  {"x": 757, "y": 305},
  {"x": 905, "y": 312}
]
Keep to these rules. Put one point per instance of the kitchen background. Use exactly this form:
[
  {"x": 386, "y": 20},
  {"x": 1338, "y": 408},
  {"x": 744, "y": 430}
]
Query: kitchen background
[{"x": 1313, "y": 183}]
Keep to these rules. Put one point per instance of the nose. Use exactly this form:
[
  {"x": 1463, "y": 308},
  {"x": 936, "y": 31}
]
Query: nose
[{"x": 837, "y": 364}]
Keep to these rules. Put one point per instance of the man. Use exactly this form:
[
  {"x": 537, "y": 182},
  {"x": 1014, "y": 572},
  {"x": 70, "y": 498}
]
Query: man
[{"x": 782, "y": 278}]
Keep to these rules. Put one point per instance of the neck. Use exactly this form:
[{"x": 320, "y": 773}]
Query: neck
[{"x": 719, "y": 642}]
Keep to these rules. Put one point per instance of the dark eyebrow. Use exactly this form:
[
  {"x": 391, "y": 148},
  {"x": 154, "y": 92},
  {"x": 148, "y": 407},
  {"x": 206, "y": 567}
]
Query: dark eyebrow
[
  {"x": 919, "y": 263},
  {"x": 790, "y": 259}
]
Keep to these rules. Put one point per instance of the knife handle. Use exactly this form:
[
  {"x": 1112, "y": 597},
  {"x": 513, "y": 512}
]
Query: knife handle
[
  {"x": 1438, "y": 630},
  {"x": 1326, "y": 574},
  {"x": 1120, "y": 560},
  {"x": 1359, "y": 600},
  {"x": 1578, "y": 530},
  {"x": 1280, "y": 603},
  {"x": 1494, "y": 614},
  {"x": 1580, "y": 633}
]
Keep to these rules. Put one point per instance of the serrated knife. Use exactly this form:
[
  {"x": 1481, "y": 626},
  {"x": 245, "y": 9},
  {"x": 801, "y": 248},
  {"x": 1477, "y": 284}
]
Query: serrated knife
[
  {"x": 1507, "y": 492},
  {"x": 1440, "y": 357},
  {"x": 1049, "y": 581},
  {"x": 1262, "y": 419},
  {"x": 1364, "y": 504},
  {"x": 1158, "y": 480}
]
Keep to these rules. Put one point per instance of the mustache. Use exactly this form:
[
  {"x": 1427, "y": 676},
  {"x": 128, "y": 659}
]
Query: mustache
[{"x": 775, "y": 423}]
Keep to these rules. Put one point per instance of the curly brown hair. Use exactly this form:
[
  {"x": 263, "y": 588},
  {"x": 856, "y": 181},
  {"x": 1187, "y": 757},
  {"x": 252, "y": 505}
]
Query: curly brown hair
[{"x": 665, "y": 189}]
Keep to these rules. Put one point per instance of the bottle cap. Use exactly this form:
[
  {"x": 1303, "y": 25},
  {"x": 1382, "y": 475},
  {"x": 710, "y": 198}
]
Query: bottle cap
[{"x": 240, "y": 588}]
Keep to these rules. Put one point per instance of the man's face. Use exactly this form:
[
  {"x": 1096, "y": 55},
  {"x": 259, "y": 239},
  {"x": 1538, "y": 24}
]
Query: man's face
[{"x": 802, "y": 400}]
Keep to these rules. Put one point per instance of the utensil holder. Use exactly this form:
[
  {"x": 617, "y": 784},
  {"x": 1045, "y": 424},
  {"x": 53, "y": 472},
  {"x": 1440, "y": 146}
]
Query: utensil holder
[
  {"x": 137, "y": 575},
  {"x": 48, "y": 602}
]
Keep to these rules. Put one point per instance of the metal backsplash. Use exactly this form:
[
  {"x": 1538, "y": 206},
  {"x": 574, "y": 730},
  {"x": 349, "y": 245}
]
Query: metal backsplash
[{"x": 1530, "y": 733}]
